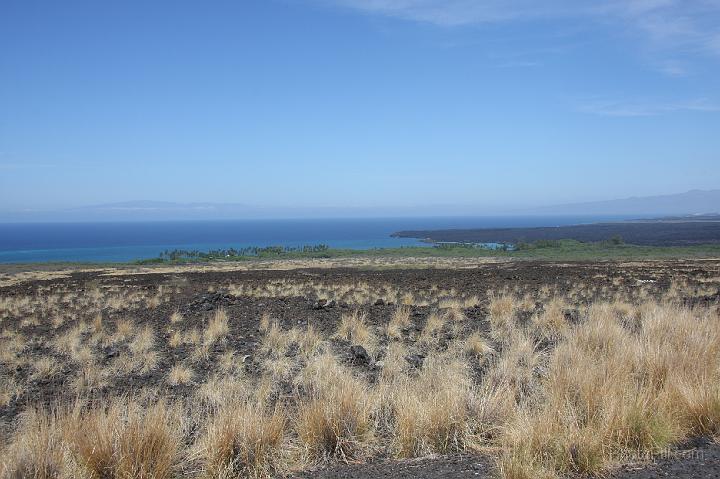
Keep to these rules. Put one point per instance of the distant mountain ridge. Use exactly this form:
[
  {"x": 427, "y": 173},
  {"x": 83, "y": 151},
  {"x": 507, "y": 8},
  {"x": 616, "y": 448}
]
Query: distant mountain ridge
[
  {"x": 693, "y": 202},
  {"x": 688, "y": 203}
]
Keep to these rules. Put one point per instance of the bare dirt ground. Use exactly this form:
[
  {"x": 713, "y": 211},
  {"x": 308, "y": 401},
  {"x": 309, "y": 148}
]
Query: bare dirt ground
[{"x": 45, "y": 310}]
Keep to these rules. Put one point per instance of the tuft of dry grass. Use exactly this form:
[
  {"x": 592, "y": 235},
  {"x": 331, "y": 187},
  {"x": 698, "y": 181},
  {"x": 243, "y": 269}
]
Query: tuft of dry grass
[
  {"x": 243, "y": 439},
  {"x": 44, "y": 368},
  {"x": 124, "y": 330},
  {"x": 176, "y": 317},
  {"x": 433, "y": 326},
  {"x": 353, "y": 328},
  {"x": 611, "y": 394},
  {"x": 429, "y": 413},
  {"x": 275, "y": 340},
  {"x": 143, "y": 356},
  {"x": 143, "y": 341},
  {"x": 176, "y": 339},
  {"x": 336, "y": 424},
  {"x": 265, "y": 323},
  {"x": 478, "y": 346},
  {"x": 217, "y": 328},
  {"x": 551, "y": 324},
  {"x": 125, "y": 440},
  {"x": 9, "y": 389},
  {"x": 400, "y": 319},
  {"x": 180, "y": 374},
  {"x": 36, "y": 449},
  {"x": 334, "y": 421},
  {"x": 121, "y": 440},
  {"x": 502, "y": 316},
  {"x": 309, "y": 341}
]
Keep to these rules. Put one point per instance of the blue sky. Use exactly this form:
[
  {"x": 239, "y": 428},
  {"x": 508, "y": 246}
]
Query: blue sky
[{"x": 352, "y": 103}]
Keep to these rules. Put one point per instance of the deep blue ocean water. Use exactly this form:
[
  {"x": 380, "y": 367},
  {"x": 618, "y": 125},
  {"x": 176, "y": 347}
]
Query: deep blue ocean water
[{"x": 129, "y": 241}]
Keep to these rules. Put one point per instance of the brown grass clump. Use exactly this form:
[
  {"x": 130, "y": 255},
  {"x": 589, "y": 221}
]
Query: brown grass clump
[
  {"x": 12, "y": 344},
  {"x": 309, "y": 341},
  {"x": 217, "y": 328},
  {"x": 125, "y": 440},
  {"x": 334, "y": 421},
  {"x": 478, "y": 346},
  {"x": 9, "y": 389},
  {"x": 243, "y": 439},
  {"x": 180, "y": 374},
  {"x": 612, "y": 394},
  {"x": 176, "y": 317},
  {"x": 276, "y": 340},
  {"x": 119, "y": 441},
  {"x": 176, "y": 339},
  {"x": 143, "y": 356},
  {"x": 97, "y": 324},
  {"x": 143, "y": 341},
  {"x": 502, "y": 317},
  {"x": 430, "y": 412},
  {"x": 400, "y": 319},
  {"x": 45, "y": 367},
  {"x": 551, "y": 323},
  {"x": 124, "y": 330},
  {"x": 394, "y": 363},
  {"x": 265, "y": 323},
  {"x": 433, "y": 326},
  {"x": 518, "y": 367},
  {"x": 354, "y": 329},
  {"x": 36, "y": 450}
]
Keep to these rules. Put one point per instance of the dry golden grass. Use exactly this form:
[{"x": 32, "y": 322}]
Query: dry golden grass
[
  {"x": 551, "y": 324},
  {"x": 9, "y": 390},
  {"x": 549, "y": 385},
  {"x": 143, "y": 356},
  {"x": 180, "y": 374},
  {"x": 242, "y": 439},
  {"x": 176, "y": 339},
  {"x": 44, "y": 368},
  {"x": 276, "y": 340},
  {"x": 394, "y": 365},
  {"x": 400, "y": 319},
  {"x": 265, "y": 323},
  {"x": 217, "y": 328},
  {"x": 433, "y": 326},
  {"x": 176, "y": 317},
  {"x": 611, "y": 394},
  {"x": 309, "y": 340},
  {"x": 353, "y": 328},
  {"x": 429, "y": 413},
  {"x": 334, "y": 421},
  {"x": 478, "y": 346},
  {"x": 12, "y": 344},
  {"x": 124, "y": 329},
  {"x": 117, "y": 441},
  {"x": 502, "y": 317}
]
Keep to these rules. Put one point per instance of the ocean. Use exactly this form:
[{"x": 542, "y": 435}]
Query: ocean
[{"x": 130, "y": 241}]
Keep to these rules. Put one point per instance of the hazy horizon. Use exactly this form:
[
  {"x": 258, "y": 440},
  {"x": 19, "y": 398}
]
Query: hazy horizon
[{"x": 687, "y": 203}]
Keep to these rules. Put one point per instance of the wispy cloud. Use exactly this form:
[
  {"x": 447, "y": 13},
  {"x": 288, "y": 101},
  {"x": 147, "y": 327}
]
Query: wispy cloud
[
  {"x": 637, "y": 109},
  {"x": 519, "y": 64},
  {"x": 668, "y": 24}
]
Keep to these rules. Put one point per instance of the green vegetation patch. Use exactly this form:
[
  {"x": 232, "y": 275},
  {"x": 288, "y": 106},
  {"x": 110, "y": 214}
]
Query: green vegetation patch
[{"x": 566, "y": 250}]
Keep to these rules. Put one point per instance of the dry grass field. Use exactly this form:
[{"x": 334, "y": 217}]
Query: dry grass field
[{"x": 538, "y": 370}]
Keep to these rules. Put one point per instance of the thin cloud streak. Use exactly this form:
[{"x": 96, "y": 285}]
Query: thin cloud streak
[
  {"x": 634, "y": 109},
  {"x": 667, "y": 24}
]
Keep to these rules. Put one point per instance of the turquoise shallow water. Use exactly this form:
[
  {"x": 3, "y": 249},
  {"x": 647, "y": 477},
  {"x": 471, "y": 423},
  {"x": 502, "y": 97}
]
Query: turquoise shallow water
[{"x": 120, "y": 242}]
